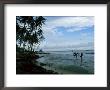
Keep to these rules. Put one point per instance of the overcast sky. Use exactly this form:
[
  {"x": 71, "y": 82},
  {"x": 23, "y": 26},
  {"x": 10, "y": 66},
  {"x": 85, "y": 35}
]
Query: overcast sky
[{"x": 68, "y": 33}]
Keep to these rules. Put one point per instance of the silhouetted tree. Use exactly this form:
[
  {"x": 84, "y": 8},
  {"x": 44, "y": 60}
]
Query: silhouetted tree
[{"x": 29, "y": 31}]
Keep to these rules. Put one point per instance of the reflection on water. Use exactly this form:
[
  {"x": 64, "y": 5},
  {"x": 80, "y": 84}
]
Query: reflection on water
[{"x": 65, "y": 63}]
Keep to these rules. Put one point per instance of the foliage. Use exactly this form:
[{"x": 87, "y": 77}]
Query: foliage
[{"x": 29, "y": 31}]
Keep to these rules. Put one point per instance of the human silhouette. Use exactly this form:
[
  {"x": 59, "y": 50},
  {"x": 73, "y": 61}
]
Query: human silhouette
[
  {"x": 81, "y": 57},
  {"x": 75, "y": 54}
]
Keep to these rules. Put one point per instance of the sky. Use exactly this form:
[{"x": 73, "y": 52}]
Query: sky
[{"x": 68, "y": 33}]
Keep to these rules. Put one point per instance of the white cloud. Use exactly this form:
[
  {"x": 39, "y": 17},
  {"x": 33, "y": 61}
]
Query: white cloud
[
  {"x": 71, "y": 23},
  {"x": 55, "y": 39}
]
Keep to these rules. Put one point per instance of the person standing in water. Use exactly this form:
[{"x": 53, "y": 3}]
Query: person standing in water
[
  {"x": 75, "y": 54},
  {"x": 81, "y": 57}
]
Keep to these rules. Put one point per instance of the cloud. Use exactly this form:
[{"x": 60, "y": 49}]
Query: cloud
[
  {"x": 56, "y": 39},
  {"x": 70, "y": 23}
]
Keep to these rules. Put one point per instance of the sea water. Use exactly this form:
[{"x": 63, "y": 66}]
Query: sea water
[{"x": 64, "y": 62}]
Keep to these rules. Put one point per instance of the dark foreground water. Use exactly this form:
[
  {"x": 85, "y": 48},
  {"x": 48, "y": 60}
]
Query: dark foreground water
[{"x": 64, "y": 62}]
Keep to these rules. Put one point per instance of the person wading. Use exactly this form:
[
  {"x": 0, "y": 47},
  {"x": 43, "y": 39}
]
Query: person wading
[
  {"x": 75, "y": 54},
  {"x": 81, "y": 57}
]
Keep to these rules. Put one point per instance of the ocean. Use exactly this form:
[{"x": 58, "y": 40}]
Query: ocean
[{"x": 64, "y": 62}]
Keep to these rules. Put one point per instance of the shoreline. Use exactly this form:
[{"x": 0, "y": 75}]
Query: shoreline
[
  {"x": 32, "y": 69},
  {"x": 39, "y": 66},
  {"x": 27, "y": 65}
]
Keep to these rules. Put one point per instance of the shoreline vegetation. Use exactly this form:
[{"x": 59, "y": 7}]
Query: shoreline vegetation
[
  {"x": 26, "y": 63},
  {"x": 26, "y": 66}
]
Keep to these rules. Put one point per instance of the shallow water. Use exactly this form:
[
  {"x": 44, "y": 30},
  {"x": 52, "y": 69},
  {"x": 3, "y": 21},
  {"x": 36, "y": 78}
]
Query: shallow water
[{"x": 64, "y": 62}]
